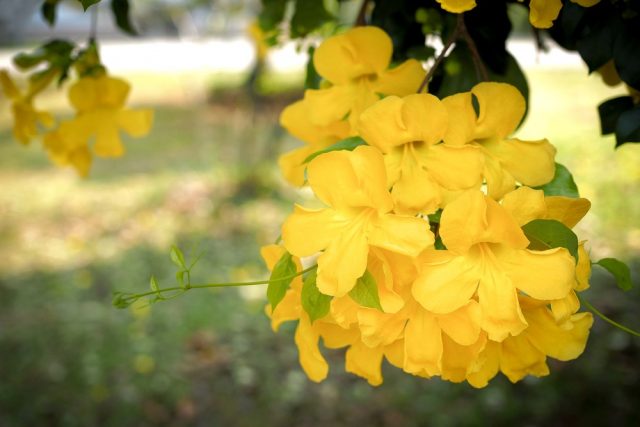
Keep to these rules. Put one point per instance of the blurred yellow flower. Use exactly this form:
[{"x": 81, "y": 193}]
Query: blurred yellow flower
[{"x": 26, "y": 117}]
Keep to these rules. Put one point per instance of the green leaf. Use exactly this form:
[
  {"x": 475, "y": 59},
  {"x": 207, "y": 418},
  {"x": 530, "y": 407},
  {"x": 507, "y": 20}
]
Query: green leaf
[
  {"x": 365, "y": 292},
  {"x": 48, "y": 11},
  {"x": 439, "y": 245},
  {"x": 177, "y": 257},
  {"x": 308, "y": 16},
  {"x": 349, "y": 144},
  {"x": 610, "y": 111},
  {"x": 272, "y": 14},
  {"x": 546, "y": 234},
  {"x": 312, "y": 78},
  {"x": 628, "y": 127},
  {"x": 120, "y": 9},
  {"x": 180, "y": 277},
  {"x": 315, "y": 303},
  {"x": 562, "y": 184},
  {"x": 87, "y": 3},
  {"x": 620, "y": 271},
  {"x": 153, "y": 284},
  {"x": 435, "y": 217},
  {"x": 25, "y": 61},
  {"x": 281, "y": 278},
  {"x": 120, "y": 301}
]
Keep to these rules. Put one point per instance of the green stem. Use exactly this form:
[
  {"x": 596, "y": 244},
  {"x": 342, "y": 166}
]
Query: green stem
[
  {"x": 608, "y": 320},
  {"x": 134, "y": 297}
]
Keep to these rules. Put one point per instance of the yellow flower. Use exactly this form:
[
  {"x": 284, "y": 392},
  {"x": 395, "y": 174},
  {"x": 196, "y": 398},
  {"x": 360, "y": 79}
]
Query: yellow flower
[
  {"x": 487, "y": 258},
  {"x": 295, "y": 118},
  {"x": 525, "y": 205},
  {"x": 421, "y": 169},
  {"x": 355, "y": 64},
  {"x": 66, "y": 146},
  {"x": 506, "y": 161},
  {"x": 542, "y": 13},
  {"x": 99, "y": 103},
  {"x": 26, "y": 117},
  {"x": 526, "y": 354},
  {"x": 457, "y": 6},
  {"x": 353, "y": 186},
  {"x": 290, "y": 308}
]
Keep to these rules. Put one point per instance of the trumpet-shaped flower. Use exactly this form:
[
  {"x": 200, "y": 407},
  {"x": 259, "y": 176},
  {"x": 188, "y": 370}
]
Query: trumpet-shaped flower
[
  {"x": 487, "y": 259},
  {"x": 506, "y": 161},
  {"x": 66, "y": 146},
  {"x": 295, "y": 118},
  {"x": 99, "y": 102},
  {"x": 421, "y": 169},
  {"x": 353, "y": 186},
  {"x": 26, "y": 117},
  {"x": 526, "y": 353},
  {"x": 356, "y": 65}
]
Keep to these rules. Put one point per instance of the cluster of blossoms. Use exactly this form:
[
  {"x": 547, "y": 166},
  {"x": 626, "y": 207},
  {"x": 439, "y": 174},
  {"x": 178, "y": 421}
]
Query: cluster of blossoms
[
  {"x": 542, "y": 13},
  {"x": 100, "y": 115},
  {"x": 422, "y": 253}
]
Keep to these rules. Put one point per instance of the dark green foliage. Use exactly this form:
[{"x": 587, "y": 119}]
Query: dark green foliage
[
  {"x": 562, "y": 184},
  {"x": 546, "y": 234},
  {"x": 120, "y": 9}
]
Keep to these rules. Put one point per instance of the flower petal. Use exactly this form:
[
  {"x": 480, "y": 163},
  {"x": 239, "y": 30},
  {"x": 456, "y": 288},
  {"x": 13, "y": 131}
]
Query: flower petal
[
  {"x": 311, "y": 360},
  {"x": 405, "y": 235},
  {"x": 567, "y": 210},
  {"x": 525, "y": 204},
  {"x": 457, "y": 6},
  {"x": 542, "y": 13},
  {"x": 365, "y": 362},
  {"x": 351, "y": 179},
  {"x": 447, "y": 285},
  {"x": 358, "y": 52},
  {"x": 402, "y": 80},
  {"x": 423, "y": 344},
  {"x": 307, "y": 231},
  {"x": 343, "y": 262},
  {"x": 530, "y": 162},
  {"x": 555, "y": 341},
  {"x": 502, "y": 107},
  {"x": 461, "y": 112},
  {"x": 520, "y": 358},
  {"x": 327, "y": 106},
  {"x": 543, "y": 275},
  {"x": 455, "y": 168},
  {"x": 378, "y": 328},
  {"x": 498, "y": 298},
  {"x": 462, "y": 325},
  {"x": 136, "y": 123},
  {"x": 499, "y": 180}
]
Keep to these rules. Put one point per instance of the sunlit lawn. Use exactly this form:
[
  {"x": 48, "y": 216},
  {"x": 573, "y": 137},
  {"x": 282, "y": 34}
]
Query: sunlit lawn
[{"x": 205, "y": 179}]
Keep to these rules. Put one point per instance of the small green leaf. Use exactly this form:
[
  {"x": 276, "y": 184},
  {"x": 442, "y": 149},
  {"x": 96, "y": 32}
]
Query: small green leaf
[
  {"x": 546, "y": 234},
  {"x": 308, "y": 16},
  {"x": 315, "y": 303},
  {"x": 435, "y": 217},
  {"x": 180, "y": 278},
  {"x": 365, "y": 292},
  {"x": 48, "y": 11},
  {"x": 120, "y": 301},
  {"x": 562, "y": 184},
  {"x": 620, "y": 271},
  {"x": 120, "y": 9},
  {"x": 153, "y": 284},
  {"x": 177, "y": 257},
  {"x": 312, "y": 78},
  {"x": 349, "y": 144},
  {"x": 87, "y": 3},
  {"x": 25, "y": 61},
  {"x": 281, "y": 278},
  {"x": 272, "y": 14},
  {"x": 439, "y": 245}
]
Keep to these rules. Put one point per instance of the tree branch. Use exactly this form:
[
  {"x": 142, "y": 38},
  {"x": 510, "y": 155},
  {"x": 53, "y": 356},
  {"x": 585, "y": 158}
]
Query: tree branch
[
  {"x": 452, "y": 39},
  {"x": 481, "y": 69}
]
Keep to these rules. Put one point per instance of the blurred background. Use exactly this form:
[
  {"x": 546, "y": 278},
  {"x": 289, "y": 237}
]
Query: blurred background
[{"x": 206, "y": 179}]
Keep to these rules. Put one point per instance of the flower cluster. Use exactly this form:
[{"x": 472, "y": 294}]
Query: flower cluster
[
  {"x": 542, "y": 13},
  {"x": 433, "y": 249},
  {"x": 99, "y": 103}
]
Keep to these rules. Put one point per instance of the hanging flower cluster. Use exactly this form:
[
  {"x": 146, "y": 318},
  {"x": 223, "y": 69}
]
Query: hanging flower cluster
[
  {"x": 433, "y": 250},
  {"x": 99, "y": 102}
]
